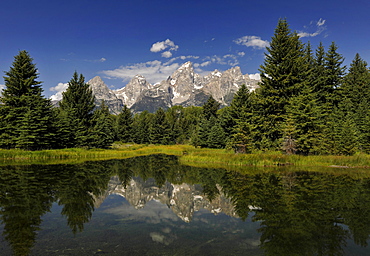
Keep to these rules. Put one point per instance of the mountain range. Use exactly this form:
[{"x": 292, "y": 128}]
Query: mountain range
[
  {"x": 183, "y": 199},
  {"x": 184, "y": 87}
]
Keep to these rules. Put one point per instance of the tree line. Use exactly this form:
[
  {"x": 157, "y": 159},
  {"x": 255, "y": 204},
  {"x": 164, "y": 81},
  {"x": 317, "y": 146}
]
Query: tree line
[{"x": 307, "y": 103}]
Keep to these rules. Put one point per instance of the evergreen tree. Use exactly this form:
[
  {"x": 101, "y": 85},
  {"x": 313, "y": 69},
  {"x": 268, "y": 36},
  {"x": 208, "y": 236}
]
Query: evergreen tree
[
  {"x": 124, "y": 125},
  {"x": 78, "y": 104},
  {"x": 241, "y": 140},
  {"x": 26, "y": 116},
  {"x": 216, "y": 137},
  {"x": 141, "y": 127},
  {"x": 176, "y": 121},
  {"x": 303, "y": 125},
  {"x": 302, "y": 129},
  {"x": 334, "y": 72},
  {"x": 329, "y": 97},
  {"x": 356, "y": 89},
  {"x": 36, "y": 130},
  {"x": 341, "y": 131},
  {"x": 159, "y": 130},
  {"x": 204, "y": 128},
  {"x": 318, "y": 78},
  {"x": 210, "y": 108},
  {"x": 362, "y": 122},
  {"x": 356, "y": 84},
  {"x": 65, "y": 132},
  {"x": 281, "y": 78},
  {"x": 240, "y": 107},
  {"x": 103, "y": 128},
  {"x": 237, "y": 121},
  {"x": 208, "y": 120},
  {"x": 226, "y": 121}
]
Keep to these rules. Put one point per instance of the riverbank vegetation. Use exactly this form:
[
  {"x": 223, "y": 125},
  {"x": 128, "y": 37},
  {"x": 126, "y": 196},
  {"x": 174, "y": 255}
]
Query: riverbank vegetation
[
  {"x": 306, "y": 105},
  {"x": 188, "y": 155}
]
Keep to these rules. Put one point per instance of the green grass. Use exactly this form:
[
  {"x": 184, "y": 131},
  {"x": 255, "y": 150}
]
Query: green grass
[
  {"x": 189, "y": 155},
  {"x": 269, "y": 159},
  {"x": 73, "y": 155}
]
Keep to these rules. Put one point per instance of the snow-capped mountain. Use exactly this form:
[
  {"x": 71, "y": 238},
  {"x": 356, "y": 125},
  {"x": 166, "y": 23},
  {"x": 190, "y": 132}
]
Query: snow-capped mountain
[{"x": 184, "y": 87}]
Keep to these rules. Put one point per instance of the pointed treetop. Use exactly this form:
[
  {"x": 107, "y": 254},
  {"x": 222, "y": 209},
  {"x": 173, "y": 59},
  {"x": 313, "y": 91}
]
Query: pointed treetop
[{"x": 22, "y": 77}]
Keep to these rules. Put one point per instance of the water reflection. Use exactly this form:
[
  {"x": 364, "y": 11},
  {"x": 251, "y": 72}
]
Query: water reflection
[{"x": 294, "y": 212}]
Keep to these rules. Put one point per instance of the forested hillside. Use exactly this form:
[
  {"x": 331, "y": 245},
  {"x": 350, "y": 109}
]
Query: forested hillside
[{"x": 308, "y": 102}]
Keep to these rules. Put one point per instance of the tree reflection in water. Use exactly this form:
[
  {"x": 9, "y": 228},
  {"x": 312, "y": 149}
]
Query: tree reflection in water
[{"x": 299, "y": 212}]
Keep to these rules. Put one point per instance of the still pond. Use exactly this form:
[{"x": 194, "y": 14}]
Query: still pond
[{"x": 153, "y": 205}]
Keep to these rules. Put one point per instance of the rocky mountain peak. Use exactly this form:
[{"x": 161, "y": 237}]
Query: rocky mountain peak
[
  {"x": 96, "y": 81},
  {"x": 185, "y": 73},
  {"x": 131, "y": 92},
  {"x": 187, "y": 65},
  {"x": 140, "y": 80},
  {"x": 216, "y": 73},
  {"x": 102, "y": 92},
  {"x": 184, "y": 87},
  {"x": 99, "y": 88}
]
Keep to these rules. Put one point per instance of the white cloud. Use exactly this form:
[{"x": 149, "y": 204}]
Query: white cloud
[
  {"x": 163, "y": 239},
  {"x": 164, "y": 45},
  {"x": 252, "y": 41},
  {"x": 255, "y": 76},
  {"x": 233, "y": 59},
  {"x": 180, "y": 57},
  {"x": 321, "y": 22},
  {"x": 2, "y": 86},
  {"x": 206, "y": 63},
  {"x": 94, "y": 61},
  {"x": 154, "y": 71},
  {"x": 189, "y": 57},
  {"x": 318, "y": 29},
  {"x": 213, "y": 39},
  {"x": 59, "y": 89},
  {"x": 167, "y": 54}
]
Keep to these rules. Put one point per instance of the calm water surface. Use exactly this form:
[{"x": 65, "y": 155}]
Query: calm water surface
[{"x": 155, "y": 206}]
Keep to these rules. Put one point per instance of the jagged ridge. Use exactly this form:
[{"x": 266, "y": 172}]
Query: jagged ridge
[
  {"x": 183, "y": 199},
  {"x": 184, "y": 87}
]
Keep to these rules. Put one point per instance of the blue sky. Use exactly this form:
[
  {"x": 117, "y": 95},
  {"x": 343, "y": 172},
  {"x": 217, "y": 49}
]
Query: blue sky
[{"x": 118, "y": 39}]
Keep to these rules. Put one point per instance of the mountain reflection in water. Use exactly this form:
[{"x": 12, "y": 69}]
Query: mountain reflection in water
[{"x": 152, "y": 205}]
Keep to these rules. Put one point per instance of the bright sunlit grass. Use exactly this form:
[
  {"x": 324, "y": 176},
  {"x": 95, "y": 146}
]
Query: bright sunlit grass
[{"x": 187, "y": 154}]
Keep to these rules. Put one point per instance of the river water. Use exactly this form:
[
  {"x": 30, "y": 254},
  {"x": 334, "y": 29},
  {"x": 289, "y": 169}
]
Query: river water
[{"x": 155, "y": 206}]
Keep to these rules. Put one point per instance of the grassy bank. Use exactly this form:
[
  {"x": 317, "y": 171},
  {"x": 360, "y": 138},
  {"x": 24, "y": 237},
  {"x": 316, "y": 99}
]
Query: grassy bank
[
  {"x": 269, "y": 159},
  {"x": 74, "y": 155},
  {"x": 188, "y": 155}
]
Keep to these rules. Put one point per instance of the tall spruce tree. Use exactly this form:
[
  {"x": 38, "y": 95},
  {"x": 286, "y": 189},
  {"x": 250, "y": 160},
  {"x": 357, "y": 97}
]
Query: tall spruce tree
[
  {"x": 159, "y": 129},
  {"x": 330, "y": 96},
  {"x": 303, "y": 123},
  {"x": 124, "y": 125},
  {"x": 141, "y": 127},
  {"x": 356, "y": 91},
  {"x": 102, "y": 127},
  {"x": 178, "y": 124},
  {"x": 356, "y": 84},
  {"x": 281, "y": 78},
  {"x": 302, "y": 130},
  {"x": 239, "y": 118},
  {"x": 26, "y": 120},
  {"x": 334, "y": 73},
  {"x": 318, "y": 78},
  {"x": 78, "y": 104},
  {"x": 209, "y": 119}
]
